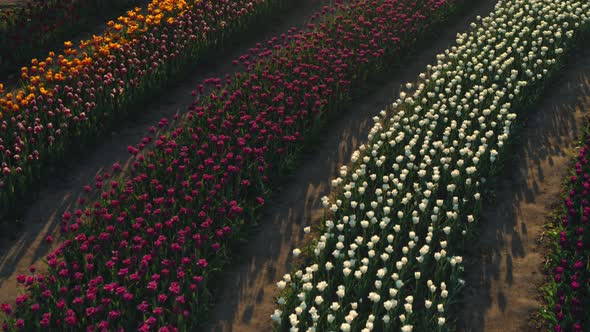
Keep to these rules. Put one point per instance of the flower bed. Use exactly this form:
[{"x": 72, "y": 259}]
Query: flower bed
[
  {"x": 71, "y": 98},
  {"x": 144, "y": 253},
  {"x": 388, "y": 253},
  {"x": 568, "y": 293},
  {"x": 26, "y": 31}
]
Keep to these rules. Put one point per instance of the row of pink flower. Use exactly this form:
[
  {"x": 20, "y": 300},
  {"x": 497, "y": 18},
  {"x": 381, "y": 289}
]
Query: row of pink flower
[
  {"x": 141, "y": 254},
  {"x": 569, "y": 293},
  {"x": 95, "y": 97}
]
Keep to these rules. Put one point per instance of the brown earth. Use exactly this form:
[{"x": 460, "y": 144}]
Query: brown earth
[
  {"x": 21, "y": 248},
  {"x": 248, "y": 295},
  {"x": 504, "y": 276}
]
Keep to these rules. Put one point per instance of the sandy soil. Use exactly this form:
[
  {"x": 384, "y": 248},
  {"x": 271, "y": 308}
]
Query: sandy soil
[
  {"x": 19, "y": 250},
  {"x": 249, "y": 291},
  {"x": 505, "y": 276}
]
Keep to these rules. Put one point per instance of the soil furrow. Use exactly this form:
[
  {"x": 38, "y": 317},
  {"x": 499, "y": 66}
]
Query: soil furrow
[{"x": 505, "y": 271}]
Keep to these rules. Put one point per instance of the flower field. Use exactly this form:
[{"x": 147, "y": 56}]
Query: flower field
[
  {"x": 389, "y": 253},
  {"x": 26, "y": 30},
  {"x": 146, "y": 244},
  {"x": 73, "y": 97},
  {"x": 568, "y": 294},
  {"x": 145, "y": 249}
]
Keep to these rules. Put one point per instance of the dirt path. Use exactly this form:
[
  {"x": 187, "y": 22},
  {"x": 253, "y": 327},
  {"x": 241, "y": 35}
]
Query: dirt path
[
  {"x": 21, "y": 249},
  {"x": 503, "y": 281},
  {"x": 248, "y": 295}
]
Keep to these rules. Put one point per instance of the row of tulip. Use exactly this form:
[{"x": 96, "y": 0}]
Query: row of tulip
[
  {"x": 73, "y": 97},
  {"x": 388, "y": 253},
  {"x": 143, "y": 252},
  {"x": 568, "y": 293},
  {"x": 27, "y": 30}
]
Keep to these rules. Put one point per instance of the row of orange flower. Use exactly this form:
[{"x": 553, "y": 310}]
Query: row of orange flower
[
  {"x": 70, "y": 62},
  {"x": 29, "y": 30},
  {"x": 75, "y": 95},
  {"x": 65, "y": 67}
]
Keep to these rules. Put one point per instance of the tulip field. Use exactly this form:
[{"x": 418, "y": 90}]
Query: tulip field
[
  {"x": 26, "y": 30},
  {"x": 75, "y": 95},
  {"x": 148, "y": 239}
]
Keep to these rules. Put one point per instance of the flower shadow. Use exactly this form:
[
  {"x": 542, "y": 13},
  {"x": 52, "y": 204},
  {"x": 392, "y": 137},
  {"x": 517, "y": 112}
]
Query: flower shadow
[{"x": 507, "y": 242}]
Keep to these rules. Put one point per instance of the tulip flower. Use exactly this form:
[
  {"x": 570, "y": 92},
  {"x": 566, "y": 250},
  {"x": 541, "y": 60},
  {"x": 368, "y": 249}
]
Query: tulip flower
[{"x": 387, "y": 237}]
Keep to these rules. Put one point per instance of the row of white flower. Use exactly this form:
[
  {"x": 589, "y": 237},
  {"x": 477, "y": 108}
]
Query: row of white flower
[{"x": 388, "y": 254}]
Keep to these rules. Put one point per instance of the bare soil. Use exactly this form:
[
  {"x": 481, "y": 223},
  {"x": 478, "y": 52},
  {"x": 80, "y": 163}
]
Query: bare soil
[
  {"x": 21, "y": 247},
  {"x": 507, "y": 267}
]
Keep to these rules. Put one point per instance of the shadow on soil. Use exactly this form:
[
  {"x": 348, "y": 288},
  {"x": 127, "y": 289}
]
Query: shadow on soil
[{"x": 524, "y": 194}]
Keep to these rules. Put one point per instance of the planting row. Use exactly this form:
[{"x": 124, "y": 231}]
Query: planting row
[
  {"x": 73, "y": 97},
  {"x": 143, "y": 252},
  {"x": 28, "y": 30},
  {"x": 568, "y": 293},
  {"x": 388, "y": 253}
]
